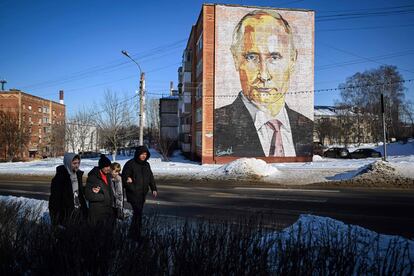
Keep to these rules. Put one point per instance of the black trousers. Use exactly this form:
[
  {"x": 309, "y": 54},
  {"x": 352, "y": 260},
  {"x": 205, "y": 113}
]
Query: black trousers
[{"x": 136, "y": 223}]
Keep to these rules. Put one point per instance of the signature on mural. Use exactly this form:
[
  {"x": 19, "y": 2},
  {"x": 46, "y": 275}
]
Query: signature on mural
[{"x": 228, "y": 151}]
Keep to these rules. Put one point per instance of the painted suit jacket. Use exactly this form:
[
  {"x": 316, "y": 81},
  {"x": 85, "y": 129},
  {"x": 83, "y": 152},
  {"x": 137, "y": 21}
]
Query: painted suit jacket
[{"x": 236, "y": 135}]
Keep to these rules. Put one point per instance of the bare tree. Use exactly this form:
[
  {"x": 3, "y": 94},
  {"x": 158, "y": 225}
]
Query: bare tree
[
  {"x": 70, "y": 136},
  {"x": 14, "y": 136},
  {"x": 113, "y": 117},
  {"x": 57, "y": 140},
  {"x": 153, "y": 120},
  {"x": 363, "y": 91}
]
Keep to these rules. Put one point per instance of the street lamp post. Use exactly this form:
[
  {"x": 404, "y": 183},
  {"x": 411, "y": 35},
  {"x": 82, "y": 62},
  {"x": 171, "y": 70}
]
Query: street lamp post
[{"x": 141, "y": 99}]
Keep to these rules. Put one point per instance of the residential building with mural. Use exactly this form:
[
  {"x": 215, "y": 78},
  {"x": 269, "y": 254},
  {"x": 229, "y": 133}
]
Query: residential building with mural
[{"x": 250, "y": 73}]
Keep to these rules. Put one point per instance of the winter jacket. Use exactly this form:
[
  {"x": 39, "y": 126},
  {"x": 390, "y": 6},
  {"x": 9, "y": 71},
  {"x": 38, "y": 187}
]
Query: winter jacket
[
  {"x": 61, "y": 200},
  {"x": 141, "y": 175},
  {"x": 116, "y": 185},
  {"x": 100, "y": 204}
]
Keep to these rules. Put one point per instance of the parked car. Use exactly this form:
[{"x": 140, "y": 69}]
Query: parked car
[
  {"x": 336, "y": 153},
  {"x": 365, "y": 153},
  {"x": 318, "y": 148}
]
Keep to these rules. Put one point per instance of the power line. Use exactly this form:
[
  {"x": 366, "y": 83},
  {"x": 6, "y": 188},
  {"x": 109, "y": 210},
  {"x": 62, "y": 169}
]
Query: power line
[
  {"x": 359, "y": 56},
  {"x": 310, "y": 91}
]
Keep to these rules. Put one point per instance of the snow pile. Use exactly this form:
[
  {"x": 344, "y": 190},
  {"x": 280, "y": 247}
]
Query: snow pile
[
  {"x": 317, "y": 158},
  {"x": 244, "y": 168},
  {"x": 382, "y": 174},
  {"x": 371, "y": 247},
  {"x": 40, "y": 207}
]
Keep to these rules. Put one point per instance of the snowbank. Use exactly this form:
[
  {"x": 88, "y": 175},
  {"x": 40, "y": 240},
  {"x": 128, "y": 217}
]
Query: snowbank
[
  {"x": 242, "y": 168},
  {"x": 308, "y": 230}
]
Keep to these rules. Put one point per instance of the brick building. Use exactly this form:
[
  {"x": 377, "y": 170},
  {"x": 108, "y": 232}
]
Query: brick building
[
  {"x": 209, "y": 80},
  {"x": 45, "y": 120}
]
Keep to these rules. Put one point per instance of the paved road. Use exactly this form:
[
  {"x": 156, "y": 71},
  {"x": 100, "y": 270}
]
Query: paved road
[{"x": 384, "y": 211}]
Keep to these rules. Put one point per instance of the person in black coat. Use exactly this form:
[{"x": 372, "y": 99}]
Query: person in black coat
[
  {"x": 99, "y": 193},
  {"x": 67, "y": 202},
  {"x": 137, "y": 179}
]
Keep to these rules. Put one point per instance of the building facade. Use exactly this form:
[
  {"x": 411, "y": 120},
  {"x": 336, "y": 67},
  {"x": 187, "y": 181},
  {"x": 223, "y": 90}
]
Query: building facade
[
  {"x": 45, "y": 120},
  {"x": 244, "y": 68}
]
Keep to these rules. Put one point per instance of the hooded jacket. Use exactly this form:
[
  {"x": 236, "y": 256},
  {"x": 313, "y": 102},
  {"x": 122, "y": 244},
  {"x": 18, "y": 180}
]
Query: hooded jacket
[
  {"x": 61, "y": 200},
  {"x": 100, "y": 204},
  {"x": 141, "y": 175}
]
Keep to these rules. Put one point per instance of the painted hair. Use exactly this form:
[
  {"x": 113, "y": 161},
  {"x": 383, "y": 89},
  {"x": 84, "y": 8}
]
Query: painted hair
[{"x": 239, "y": 31}]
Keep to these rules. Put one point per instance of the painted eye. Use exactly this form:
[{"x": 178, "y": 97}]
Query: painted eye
[
  {"x": 274, "y": 57},
  {"x": 251, "y": 57}
]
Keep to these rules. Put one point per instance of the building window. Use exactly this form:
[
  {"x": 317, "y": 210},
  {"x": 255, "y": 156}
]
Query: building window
[
  {"x": 24, "y": 106},
  {"x": 198, "y": 115},
  {"x": 200, "y": 43},
  {"x": 54, "y": 112},
  {"x": 30, "y": 119},
  {"x": 198, "y": 138},
  {"x": 199, "y": 91},
  {"x": 30, "y": 107},
  {"x": 45, "y": 120},
  {"x": 39, "y": 109},
  {"x": 40, "y": 121},
  {"x": 44, "y": 109},
  {"x": 199, "y": 68},
  {"x": 40, "y": 131}
]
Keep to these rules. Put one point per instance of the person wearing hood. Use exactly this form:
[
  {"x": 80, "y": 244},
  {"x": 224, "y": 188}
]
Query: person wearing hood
[
  {"x": 67, "y": 201},
  {"x": 137, "y": 179},
  {"x": 99, "y": 193}
]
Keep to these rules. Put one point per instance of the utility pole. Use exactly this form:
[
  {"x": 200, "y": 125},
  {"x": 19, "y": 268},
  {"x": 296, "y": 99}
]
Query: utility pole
[
  {"x": 383, "y": 126},
  {"x": 141, "y": 98},
  {"x": 141, "y": 108}
]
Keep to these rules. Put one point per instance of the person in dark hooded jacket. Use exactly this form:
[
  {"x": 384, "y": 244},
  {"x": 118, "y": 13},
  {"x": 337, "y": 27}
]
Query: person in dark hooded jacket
[
  {"x": 137, "y": 179},
  {"x": 67, "y": 202},
  {"x": 99, "y": 193}
]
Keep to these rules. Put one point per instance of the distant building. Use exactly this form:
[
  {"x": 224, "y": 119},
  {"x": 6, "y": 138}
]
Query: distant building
[
  {"x": 81, "y": 138},
  {"x": 341, "y": 125},
  {"x": 169, "y": 117},
  {"x": 43, "y": 117}
]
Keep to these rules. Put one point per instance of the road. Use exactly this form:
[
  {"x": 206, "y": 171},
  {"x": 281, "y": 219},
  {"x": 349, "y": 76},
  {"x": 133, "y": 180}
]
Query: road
[{"x": 384, "y": 211}]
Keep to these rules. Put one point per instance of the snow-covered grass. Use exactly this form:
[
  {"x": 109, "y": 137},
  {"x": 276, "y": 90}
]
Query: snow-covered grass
[
  {"x": 401, "y": 156},
  {"x": 312, "y": 245}
]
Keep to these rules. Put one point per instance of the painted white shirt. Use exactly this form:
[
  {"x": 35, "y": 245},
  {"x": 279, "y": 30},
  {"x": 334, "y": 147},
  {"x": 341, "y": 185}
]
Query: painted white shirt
[{"x": 265, "y": 133}]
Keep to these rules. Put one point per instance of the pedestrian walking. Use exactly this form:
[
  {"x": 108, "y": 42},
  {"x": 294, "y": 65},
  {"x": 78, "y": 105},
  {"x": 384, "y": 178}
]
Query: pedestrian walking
[
  {"x": 138, "y": 178},
  {"x": 67, "y": 202},
  {"x": 117, "y": 190},
  {"x": 99, "y": 193}
]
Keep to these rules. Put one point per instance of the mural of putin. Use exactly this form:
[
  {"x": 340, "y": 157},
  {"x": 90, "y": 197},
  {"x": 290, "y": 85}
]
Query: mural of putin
[{"x": 259, "y": 122}]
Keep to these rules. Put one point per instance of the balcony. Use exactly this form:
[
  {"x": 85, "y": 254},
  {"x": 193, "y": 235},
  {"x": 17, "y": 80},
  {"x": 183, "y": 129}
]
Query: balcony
[{"x": 185, "y": 128}]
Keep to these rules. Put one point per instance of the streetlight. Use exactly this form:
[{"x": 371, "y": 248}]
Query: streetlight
[{"x": 141, "y": 98}]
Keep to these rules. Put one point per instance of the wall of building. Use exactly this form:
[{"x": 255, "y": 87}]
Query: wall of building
[{"x": 41, "y": 115}]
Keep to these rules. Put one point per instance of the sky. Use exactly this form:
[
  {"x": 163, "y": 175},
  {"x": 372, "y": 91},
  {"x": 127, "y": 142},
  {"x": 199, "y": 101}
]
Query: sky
[{"x": 76, "y": 45}]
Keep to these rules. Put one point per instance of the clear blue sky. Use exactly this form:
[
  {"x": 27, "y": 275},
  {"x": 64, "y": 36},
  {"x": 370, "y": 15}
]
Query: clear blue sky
[{"x": 76, "y": 45}]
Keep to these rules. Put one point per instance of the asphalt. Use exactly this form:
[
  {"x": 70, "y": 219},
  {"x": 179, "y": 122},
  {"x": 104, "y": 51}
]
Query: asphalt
[{"x": 381, "y": 210}]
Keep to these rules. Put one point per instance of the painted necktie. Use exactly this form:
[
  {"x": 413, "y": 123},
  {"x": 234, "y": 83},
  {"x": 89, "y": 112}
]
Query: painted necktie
[{"x": 276, "y": 145}]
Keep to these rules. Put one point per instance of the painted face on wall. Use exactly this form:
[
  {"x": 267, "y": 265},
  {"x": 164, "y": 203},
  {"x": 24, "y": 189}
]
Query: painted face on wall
[{"x": 265, "y": 61}]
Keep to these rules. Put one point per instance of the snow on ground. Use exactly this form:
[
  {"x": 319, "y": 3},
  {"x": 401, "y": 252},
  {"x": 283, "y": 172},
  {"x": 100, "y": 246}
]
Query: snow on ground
[
  {"x": 401, "y": 157},
  {"x": 250, "y": 168},
  {"x": 307, "y": 228}
]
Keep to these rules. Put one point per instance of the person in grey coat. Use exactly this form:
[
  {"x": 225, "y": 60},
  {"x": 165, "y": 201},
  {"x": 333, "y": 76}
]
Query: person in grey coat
[{"x": 116, "y": 185}]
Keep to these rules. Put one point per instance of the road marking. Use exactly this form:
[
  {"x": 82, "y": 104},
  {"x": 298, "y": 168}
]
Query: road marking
[
  {"x": 223, "y": 195},
  {"x": 287, "y": 190}
]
